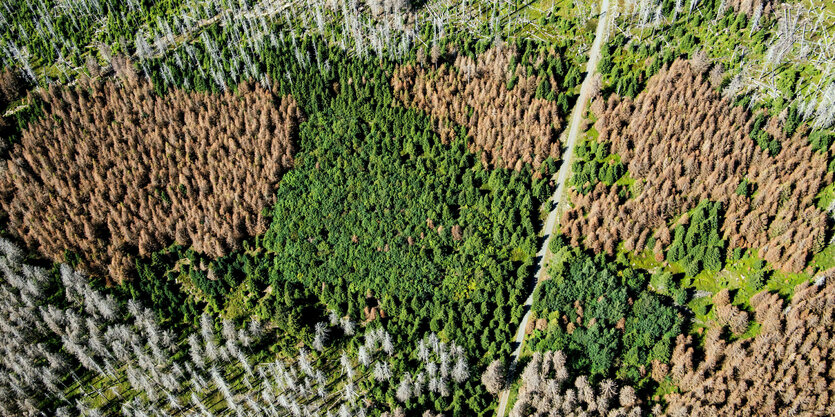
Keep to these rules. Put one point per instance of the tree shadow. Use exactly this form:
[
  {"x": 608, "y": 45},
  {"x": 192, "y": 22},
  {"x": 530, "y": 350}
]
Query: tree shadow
[
  {"x": 534, "y": 270},
  {"x": 542, "y": 239}
]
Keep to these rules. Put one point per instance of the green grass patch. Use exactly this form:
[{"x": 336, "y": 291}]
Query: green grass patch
[
  {"x": 644, "y": 259},
  {"x": 784, "y": 282},
  {"x": 825, "y": 197},
  {"x": 701, "y": 308},
  {"x": 824, "y": 259},
  {"x": 665, "y": 387},
  {"x": 745, "y": 277},
  {"x": 753, "y": 331},
  {"x": 628, "y": 183},
  {"x": 592, "y": 134}
]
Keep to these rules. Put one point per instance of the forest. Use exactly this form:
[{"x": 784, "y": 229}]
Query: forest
[
  {"x": 416, "y": 208},
  {"x": 783, "y": 370},
  {"x": 599, "y": 312},
  {"x": 346, "y": 209},
  {"x": 512, "y": 116},
  {"x": 711, "y": 183},
  {"x": 131, "y": 365}
]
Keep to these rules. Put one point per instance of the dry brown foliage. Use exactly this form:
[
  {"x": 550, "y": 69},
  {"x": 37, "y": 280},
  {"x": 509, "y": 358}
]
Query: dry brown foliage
[
  {"x": 785, "y": 370},
  {"x": 12, "y": 86},
  {"x": 510, "y": 126},
  {"x": 750, "y": 6},
  {"x": 684, "y": 143},
  {"x": 114, "y": 171},
  {"x": 722, "y": 298}
]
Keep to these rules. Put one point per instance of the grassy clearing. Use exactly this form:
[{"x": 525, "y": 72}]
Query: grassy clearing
[
  {"x": 744, "y": 277},
  {"x": 824, "y": 259},
  {"x": 559, "y": 21},
  {"x": 825, "y": 197}
]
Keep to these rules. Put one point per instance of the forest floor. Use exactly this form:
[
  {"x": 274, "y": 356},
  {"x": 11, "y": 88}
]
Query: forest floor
[{"x": 607, "y": 10}]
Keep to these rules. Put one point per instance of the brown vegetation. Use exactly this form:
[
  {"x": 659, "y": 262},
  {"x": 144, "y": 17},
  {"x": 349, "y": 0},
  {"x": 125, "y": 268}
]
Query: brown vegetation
[
  {"x": 12, "y": 86},
  {"x": 785, "y": 370},
  {"x": 683, "y": 143},
  {"x": 512, "y": 127},
  {"x": 113, "y": 171},
  {"x": 750, "y": 7}
]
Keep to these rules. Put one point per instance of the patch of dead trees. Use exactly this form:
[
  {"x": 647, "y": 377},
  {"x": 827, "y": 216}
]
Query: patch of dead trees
[
  {"x": 511, "y": 127},
  {"x": 785, "y": 370},
  {"x": 750, "y": 7},
  {"x": 113, "y": 171},
  {"x": 548, "y": 390},
  {"x": 683, "y": 143}
]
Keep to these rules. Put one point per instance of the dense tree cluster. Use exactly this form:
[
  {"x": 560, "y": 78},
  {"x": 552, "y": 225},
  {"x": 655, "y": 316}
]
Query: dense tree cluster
[
  {"x": 683, "y": 143},
  {"x": 696, "y": 242},
  {"x": 600, "y": 313},
  {"x": 12, "y": 87},
  {"x": 594, "y": 163},
  {"x": 43, "y": 34},
  {"x": 507, "y": 114},
  {"x": 114, "y": 171},
  {"x": 785, "y": 370},
  {"x": 712, "y": 33},
  {"x": 494, "y": 377},
  {"x": 548, "y": 390},
  {"x": 27, "y": 366}
]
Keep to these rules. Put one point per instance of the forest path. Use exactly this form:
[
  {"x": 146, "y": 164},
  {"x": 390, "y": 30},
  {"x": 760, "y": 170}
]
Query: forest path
[{"x": 607, "y": 11}]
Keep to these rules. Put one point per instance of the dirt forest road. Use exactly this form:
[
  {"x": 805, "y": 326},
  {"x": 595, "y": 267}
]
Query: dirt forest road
[{"x": 607, "y": 11}]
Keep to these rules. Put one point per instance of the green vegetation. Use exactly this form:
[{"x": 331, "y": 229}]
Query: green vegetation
[
  {"x": 595, "y": 163},
  {"x": 379, "y": 220},
  {"x": 48, "y": 38},
  {"x": 395, "y": 247},
  {"x": 601, "y": 313},
  {"x": 697, "y": 244},
  {"x": 714, "y": 36},
  {"x": 763, "y": 139},
  {"x": 745, "y": 188}
]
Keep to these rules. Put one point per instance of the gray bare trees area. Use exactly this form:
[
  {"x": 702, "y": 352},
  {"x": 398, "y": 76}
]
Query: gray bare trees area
[{"x": 120, "y": 359}]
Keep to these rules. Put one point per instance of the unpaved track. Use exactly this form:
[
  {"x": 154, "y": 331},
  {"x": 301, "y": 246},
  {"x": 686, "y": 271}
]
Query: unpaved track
[{"x": 607, "y": 10}]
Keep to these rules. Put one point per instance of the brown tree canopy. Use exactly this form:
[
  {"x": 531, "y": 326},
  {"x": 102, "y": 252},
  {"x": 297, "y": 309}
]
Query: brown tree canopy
[
  {"x": 512, "y": 127},
  {"x": 785, "y": 370},
  {"x": 750, "y": 7},
  {"x": 683, "y": 143},
  {"x": 113, "y": 171},
  {"x": 12, "y": 86}
]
